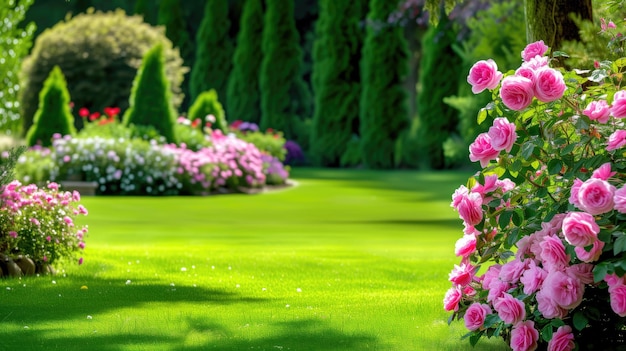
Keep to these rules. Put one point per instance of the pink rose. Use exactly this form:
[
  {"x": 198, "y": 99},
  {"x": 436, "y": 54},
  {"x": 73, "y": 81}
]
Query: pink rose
[
  {"x": 481, "y": 150},
  {"x": 465, "y": 246},
  {"x": 531, "y": 50},
  {"x": 533, "y": 278},
  {"x": 580, "y": 229},
  {"x": 470, "y": 208},
  {"x": 563, "y": 289},
  {"x": 617, "y": 296},
  {"x": 512, "y": 270},
  {"x": 553, "y": 254},
  {"x": 582, "y": 272},
  {"x": 458, "y": 196},
  {"x": 603, "y": 172},
  {"x": 573, "y": 197},
  {"x": 526, "y": 72},
  {"x": 593, "y": 254},
  {"x": 524, "y": 337},
  {"x": 510, "y": 309},
  {"x": 596, "y": 196},
  {"x": 618, "y": 107},
  {"x": 598, "y": 110},
  {"x": 617, "y": 140},
  {"x": 492, "y": 274},
  {"x": 451, "y": 299},
  {"x": 517, "y": 92},
  {"x": 549, "y": 84},
  {"x": 612, "y": 280},
  {"x": 562, "y": 340},
  {"x": 462, "y": 275},
  {"x": 548, "y": 307},
  {"x": 619, "y": 198},
  {"x": 475, "y": 315},
  {"x": 497, "y": 289},
  {"x": 483, "y": 75},
  {"x": 502, "y": 134}
]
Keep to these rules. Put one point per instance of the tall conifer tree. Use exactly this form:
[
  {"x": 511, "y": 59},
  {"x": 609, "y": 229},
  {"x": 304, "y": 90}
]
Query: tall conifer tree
[
  {"x": 336, "y": 78},
  {"x": 285, "y": 97},
  {"x": 243, "y": 96},
  {"x": 383, "y": 104},
  {"x": 214, "y": 51}
]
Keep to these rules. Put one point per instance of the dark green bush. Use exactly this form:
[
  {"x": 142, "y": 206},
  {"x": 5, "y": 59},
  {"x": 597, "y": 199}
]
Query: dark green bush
[
  {"x": 207, "y": 104},
  {"x": 213, "y": 51},
  {"x": 150, "y": 101},
  {"x": 243, "y": 98},
  {"x": 99, "y": 54},
  {"x": 440, "y": 74},
  {"x": 337, "y": 88},
  {"x": 383, "y": 103},
  {"x": 54, "y": 114},
  {"x": 285, "y": 97}
]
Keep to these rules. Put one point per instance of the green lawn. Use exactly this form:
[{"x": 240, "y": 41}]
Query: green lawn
[{"x": 346, "y": 260}]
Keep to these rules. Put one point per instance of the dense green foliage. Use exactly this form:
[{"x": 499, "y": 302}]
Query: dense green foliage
[
  {"x": 285, "y": 97},
  {"x": 53, "y": 115},
  {"x": 213, "y": 51},
  {"x": 383, "y": 103},
  {"x": 15, "y": 41},
  {"x": 440, "y": 72},
  {"x": 337, "y": 79},
  {"x": 150, "y": 101},
  {"x": 99, "y": 54},
  {"x": 243, "y": 98},
  {"x": 497, "y": 33},
  {"x": 142, "y": 8},
  {"x": 207, "y": 103}
]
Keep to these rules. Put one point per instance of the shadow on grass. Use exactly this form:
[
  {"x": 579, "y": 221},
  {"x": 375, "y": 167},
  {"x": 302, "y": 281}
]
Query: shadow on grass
[
  {"x": 301, "y": 335},
  {"x": 52, "y": 303}
]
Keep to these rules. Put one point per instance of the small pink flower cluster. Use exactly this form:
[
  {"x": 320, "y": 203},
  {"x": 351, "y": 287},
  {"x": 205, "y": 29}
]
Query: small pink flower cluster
[
  {"x": 228, "y": 162},
  {"x": 533, "y": 79},
  {"x": 487, "y": 146},
  {"x": 39, "y": 222}
]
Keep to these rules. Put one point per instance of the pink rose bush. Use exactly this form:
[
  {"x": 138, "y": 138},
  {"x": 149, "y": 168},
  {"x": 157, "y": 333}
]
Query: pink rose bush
[{"x": 543, "y": 245}]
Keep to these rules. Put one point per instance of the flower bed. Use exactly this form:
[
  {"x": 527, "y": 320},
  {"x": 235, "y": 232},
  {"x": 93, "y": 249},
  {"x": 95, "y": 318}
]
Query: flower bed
[{"x": 543, "y": 255}]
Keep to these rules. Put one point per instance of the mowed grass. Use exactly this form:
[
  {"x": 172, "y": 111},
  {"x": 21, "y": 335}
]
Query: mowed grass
[{"x": 345, "y": 260}]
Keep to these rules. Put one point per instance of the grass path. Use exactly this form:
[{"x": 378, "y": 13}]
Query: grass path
[{"x": 347, "y": 260}]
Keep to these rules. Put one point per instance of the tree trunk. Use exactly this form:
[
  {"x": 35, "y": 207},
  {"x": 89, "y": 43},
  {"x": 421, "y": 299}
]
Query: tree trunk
[{"x": 549, "y": 20}]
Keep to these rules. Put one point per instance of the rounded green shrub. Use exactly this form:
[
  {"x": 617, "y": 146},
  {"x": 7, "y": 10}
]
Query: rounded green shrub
[
  {"x": 207, "y": 103},
  {"x": 150, "y": 103},
  {"x": 99, "y": 54},
  {"x": 54, "y": 114}
]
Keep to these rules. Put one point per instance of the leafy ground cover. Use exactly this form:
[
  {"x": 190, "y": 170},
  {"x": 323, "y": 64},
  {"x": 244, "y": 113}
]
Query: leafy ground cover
[{"x": 346, "y": 260}]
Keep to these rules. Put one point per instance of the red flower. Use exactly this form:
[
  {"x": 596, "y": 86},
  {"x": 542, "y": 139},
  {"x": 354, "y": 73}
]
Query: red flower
[
  {"x": 112, "y": 111},
  {"x": 83, "y": 112},
  {"x": 269, "y": 130},
  {"x": 94, "y": 116},
  {"x": 195, "y": 123},
  {"x": 236, "y": 124}
]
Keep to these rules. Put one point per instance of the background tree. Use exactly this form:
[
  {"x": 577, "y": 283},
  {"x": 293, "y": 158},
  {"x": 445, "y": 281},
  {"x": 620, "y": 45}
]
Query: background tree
[
  {"x": 383, "y": 103},
  {"x": 54, "y": 114},
  {"x": 285, "y": 98},
  {"x": 551, "y": 20},
  {"x": 213, "y": 51},
  {"x": 16, "y": 41},
  {"x": 440, "y": 71},
  {"x": 243, "y": 95},
  {"x": 150, "y": 103},
  {"x": 207, "y": 104},
  {"x": 336, "y": 79},
  {"x": 143, "y": 8}
]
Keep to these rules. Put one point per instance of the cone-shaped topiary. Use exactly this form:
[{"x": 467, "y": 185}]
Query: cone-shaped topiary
[
  {"x": 337, "y": 80},
  {"x": 243, "y": 98},
  {"x": 214, "y": 51},
  {"x": 54, "y": 114},
  {"x": 383, "y": 104},
  {"x": 99, "y": 54},
  {"x": 206, "y": 104},
  {"x": 285, "y": 97},
  {"x": 150, "y": 103}
]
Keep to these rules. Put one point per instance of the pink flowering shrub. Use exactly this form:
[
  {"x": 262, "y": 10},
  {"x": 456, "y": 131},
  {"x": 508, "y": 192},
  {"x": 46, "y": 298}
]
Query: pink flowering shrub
[
  {"x": 39, "y": 223},
  {"x": 543, "y": 250}
]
